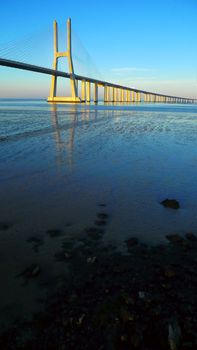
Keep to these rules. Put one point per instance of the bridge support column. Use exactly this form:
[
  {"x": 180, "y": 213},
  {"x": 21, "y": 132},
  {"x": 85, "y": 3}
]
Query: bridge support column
[
  {"x": 129, "y": 96},
  {"x": 122, "y": 95},
  {"x": 113, "y": 94},
  {"x": 88, "y": 92},
  {"x": 117, "y": 95},
  {"x": 83, "y": 91},
  {"x": 132, "y": 96},
  {"x": 105, "y": 93},
  {"x": 108, "y": 94},
  {"x": 138, "y": 97},
  {"x": 95, "y": 92}
]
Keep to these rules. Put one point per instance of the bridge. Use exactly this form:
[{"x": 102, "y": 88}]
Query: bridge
[{"x": 85, "y": 89}]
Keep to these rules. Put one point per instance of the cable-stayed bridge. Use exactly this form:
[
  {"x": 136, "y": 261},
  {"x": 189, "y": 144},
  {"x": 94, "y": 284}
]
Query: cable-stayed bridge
[{"x": 86, "y": 89}]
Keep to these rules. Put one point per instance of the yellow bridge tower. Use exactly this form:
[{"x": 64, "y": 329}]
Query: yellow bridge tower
[{"x": 74, "y": 89}]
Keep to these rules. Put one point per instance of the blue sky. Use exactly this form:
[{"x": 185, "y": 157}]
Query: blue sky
[{"x": 147, "y": 44}]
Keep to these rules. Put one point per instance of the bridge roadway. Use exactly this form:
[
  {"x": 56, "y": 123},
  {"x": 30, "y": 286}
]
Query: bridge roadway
[{"x": 43, "y": 70}]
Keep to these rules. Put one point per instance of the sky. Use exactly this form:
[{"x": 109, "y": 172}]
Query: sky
[{"x": 150, "y": 45}]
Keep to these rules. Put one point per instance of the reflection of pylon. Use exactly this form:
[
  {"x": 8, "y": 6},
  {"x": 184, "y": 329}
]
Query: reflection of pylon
[{"x": 74, "y": 89}]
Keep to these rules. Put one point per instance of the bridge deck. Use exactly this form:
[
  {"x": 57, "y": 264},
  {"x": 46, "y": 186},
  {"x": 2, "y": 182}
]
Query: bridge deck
[{"x": 43, "y": 70}]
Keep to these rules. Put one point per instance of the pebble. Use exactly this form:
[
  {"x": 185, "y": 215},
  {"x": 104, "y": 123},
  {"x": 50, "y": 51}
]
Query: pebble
[
  {"x": 91, "y": 260},
  {"x": 141, "y": 295}
]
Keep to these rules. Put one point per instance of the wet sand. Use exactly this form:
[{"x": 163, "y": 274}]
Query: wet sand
[
  {"x": 85, "y": 255},
  {"x": 145, "y": 299}
]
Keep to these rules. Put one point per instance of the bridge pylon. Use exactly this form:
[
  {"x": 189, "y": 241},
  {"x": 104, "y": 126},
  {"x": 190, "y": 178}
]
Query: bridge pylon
[{"x": 74, "y": 88}]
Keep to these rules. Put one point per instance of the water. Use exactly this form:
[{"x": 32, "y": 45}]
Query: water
[{"x": 58, "y": 163}]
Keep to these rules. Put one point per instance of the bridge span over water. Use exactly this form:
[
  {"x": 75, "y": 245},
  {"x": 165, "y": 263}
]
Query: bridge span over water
[{"x": 88, "y": 91}]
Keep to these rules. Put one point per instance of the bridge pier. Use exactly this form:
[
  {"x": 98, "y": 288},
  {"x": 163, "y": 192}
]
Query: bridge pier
[
  {"x": 113, "y": 94},
  {"x": 88, "y": 91},
  {"x": 95, "y": 92},
  {"x": 138, "y": 97},
  {"x": 83, "y": 91},
  {"x": 122, "y": 95}
]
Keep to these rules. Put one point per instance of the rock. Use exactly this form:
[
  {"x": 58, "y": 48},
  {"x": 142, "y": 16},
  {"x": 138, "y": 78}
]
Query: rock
[
  {"x": 91, "y": 260},
  {"x": 141, "y": 295},
  {"x": 80, "y": 319},
  {"x": 170, "y": 203},
  {"x": 35, "y": 271},
  {"x": 191, "y": 237},
  {"x": 174, "y": 238},
  {"x": 174, "y": 335},
  {"x": 131, "y": 242},
  {"x": 31, "y": 271}
]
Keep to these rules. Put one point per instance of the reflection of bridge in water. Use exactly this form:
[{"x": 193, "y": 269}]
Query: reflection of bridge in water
[
  {"x": 65, "y": 134},
  {"x": 88, "y": 88}
]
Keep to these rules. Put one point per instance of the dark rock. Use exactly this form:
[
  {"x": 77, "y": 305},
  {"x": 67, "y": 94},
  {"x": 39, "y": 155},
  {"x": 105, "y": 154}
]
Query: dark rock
[
  {"x": 170, "y": 203},
  {"x": 175, "y": 238},
  {"x": 191, "y": 237},
  {"x": 31, "y": 271}
]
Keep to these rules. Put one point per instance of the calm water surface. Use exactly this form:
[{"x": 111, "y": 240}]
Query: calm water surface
[{"x": 57, "y": 163}]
